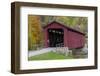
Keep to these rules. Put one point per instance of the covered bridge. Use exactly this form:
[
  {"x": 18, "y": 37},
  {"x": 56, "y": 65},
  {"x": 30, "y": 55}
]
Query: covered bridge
[{"x": 59, "y": 35}]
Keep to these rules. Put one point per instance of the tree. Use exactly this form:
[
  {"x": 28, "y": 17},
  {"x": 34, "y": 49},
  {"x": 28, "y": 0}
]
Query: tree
[{"x": 34, "y": 32}]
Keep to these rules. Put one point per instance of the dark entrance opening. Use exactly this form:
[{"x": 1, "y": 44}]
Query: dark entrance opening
[{"x": 56, "y": 37}]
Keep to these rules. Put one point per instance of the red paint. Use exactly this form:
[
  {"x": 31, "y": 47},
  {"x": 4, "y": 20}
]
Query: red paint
[{"x": 72, "y": 37}]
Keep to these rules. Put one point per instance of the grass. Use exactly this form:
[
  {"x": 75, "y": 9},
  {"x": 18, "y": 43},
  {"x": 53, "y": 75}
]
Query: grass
[{"x": 50, "y": 56}]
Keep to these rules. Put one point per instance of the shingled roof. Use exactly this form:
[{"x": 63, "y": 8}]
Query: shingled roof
[{"x": 64, "y": 27}]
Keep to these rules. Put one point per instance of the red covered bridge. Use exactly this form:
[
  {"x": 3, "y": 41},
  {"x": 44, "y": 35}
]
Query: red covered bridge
[{"x": 58, "y": 35}]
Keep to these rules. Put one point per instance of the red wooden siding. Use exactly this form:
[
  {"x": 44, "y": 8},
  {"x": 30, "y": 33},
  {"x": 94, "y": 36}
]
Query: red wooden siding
[
  {"x": 75, "y": 40},
  {"x": 52, "y": 26},
  {"x": 72, "y": 38}
]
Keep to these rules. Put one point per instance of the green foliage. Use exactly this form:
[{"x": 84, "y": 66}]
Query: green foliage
[{"x": 35, "y": 34}]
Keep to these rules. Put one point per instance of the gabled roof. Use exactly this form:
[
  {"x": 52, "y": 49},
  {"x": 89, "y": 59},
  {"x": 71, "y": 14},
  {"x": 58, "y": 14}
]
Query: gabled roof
[{"x": 64, "y": 27}]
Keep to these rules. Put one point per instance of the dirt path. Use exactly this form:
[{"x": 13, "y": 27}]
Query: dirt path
[{"x": 37, "y": 52}]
